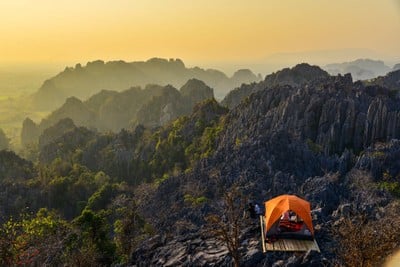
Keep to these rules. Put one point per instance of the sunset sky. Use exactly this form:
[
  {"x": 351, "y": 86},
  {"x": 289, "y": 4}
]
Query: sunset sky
[{"x": 206, "y": 30}]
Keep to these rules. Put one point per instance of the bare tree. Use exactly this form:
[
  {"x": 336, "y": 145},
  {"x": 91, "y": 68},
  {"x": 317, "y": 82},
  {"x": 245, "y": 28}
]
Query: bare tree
[{"x": 229, "y": 222}]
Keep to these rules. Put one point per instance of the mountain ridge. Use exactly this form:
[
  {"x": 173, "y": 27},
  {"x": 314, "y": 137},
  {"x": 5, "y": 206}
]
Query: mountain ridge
[{"x": 84, "y": 81}]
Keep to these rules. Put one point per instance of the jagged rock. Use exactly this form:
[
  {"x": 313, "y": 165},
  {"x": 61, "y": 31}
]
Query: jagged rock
[
  {"x": 381, "y": 159},
  {"x": 173, "y": 103},
  {"x": 301, "y": 74},
  {"x": 4, "y": 143},
  {"x": 30, "y": 132},
  {"x": 324, "y": 192},
  {"x": 390, "y": 81},
  {"x": 56, "y": 131},
  {"x": 195, "y": 91},
  {"x": 73, "y": 109},
  {"x": 303, "y": 139},
  {"x": 12, "y": 166},
  {"x": 298, "y": 75},
  {"x": 343, "y": 210},
  {"x": 61, "y": 140}
]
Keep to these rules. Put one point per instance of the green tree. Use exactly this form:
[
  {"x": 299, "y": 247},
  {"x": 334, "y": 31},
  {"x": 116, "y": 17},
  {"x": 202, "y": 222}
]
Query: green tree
[
  {"x": 38, "y": 240},
  {"x": 129, "y": 227},
  {"x": 93, "y": 239}
]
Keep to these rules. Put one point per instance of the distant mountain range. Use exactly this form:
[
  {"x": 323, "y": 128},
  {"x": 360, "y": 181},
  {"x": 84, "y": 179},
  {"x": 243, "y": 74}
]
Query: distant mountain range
[
  {"x": 360, "y": 69},
  {"x": 85, "y": 81},
  {"x": 112, "y": 111},
  {"x": 300, "y": 75}
]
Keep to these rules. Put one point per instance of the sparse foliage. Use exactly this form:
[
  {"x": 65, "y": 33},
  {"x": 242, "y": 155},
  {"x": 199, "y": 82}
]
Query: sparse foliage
[
  {"x": 228, "y": 223},
  {"x": 364, "y": 242}
]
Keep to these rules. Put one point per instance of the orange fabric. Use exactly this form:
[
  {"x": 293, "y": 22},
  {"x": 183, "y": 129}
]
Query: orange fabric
[{"x": 276, "y": 206}]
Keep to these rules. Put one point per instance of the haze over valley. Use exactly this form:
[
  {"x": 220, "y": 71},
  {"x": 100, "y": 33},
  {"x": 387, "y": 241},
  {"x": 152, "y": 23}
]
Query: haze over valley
[{"x": 208, "y": 133}]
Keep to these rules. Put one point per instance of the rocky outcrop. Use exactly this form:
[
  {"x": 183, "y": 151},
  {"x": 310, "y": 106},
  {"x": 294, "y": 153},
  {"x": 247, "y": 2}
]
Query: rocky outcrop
[
  {"x": 74, "y": 109},
  {"x": 30, "y": 132},
  {"x": 4, "y": 142},
  {"x": 63, "y": 141},
  {"x": 300, "y": 74},
  {"x": 56, "y": 131},
  {"x": 173, "y": 103},
  {"x": 334, "y": 115},
  {"x": 305, "y": 139},
  {"x": 14, "y": 167},
  {"x": 390, "y": 81},
  {"x": 193, "y": 92}
]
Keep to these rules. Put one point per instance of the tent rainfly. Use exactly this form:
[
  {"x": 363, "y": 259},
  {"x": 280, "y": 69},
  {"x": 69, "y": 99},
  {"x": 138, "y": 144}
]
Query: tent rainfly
[
  {"x": 286, "y": 234},
  {"x": 275, "y": 207}
]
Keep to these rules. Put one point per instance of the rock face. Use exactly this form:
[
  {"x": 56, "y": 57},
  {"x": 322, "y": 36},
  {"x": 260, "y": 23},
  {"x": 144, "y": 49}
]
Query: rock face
[
  {"x": 56, "y": 131},
  {"x": 390, "y": 81},
  {"x": 195, "y": 91},
  {"x": 13, "y": 166},
  {"x": 4, "y": 143},
  {"x": 296, "y": 76},
  {"x": 173, "y": 103},
  {"x": 62, "y": 141},
  {"x": 84, "y": 81},
  {"x": 303, "y": 139},
  {"x": 334, "y": 115},
  {"x": 72, "y": 108},
  {"x": 30, "y": 132}
]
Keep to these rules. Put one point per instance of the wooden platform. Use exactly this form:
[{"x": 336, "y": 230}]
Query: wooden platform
[
  {"x": 286, "y": 244},
  {"x": 292, "y": 245}
]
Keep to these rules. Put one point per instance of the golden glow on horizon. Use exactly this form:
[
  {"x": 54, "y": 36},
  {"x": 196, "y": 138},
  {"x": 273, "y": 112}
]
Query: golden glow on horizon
[{"x": 72, "y": 30}]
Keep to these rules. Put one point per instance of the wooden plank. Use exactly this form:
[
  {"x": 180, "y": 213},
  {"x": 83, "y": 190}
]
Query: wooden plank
[
  {"x": 262, "y": 234},
  {"x": 292, "y": 245}
]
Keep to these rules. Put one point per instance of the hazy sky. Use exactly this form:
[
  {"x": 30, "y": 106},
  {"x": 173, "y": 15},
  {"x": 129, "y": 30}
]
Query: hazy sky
[{"x": 205, "y": 30}]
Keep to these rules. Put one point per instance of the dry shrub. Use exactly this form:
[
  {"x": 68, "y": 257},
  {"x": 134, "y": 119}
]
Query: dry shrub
[{"x": 363, "y": 242}]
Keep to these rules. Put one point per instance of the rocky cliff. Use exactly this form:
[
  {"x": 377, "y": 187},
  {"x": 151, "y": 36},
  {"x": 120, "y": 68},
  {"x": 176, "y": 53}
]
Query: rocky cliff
[
  {"x": 300, "y": 74},
  {"x": 173, "y": 103},
  {"x": 390, "y": 81}
]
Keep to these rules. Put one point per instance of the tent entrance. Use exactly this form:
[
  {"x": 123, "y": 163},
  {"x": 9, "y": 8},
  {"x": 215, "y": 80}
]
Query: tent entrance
[{"x": 289, "y": 225}]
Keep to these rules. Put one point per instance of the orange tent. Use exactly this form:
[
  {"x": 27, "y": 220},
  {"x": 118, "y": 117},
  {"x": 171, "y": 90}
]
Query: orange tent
[{"x": 275, "y": 207}]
